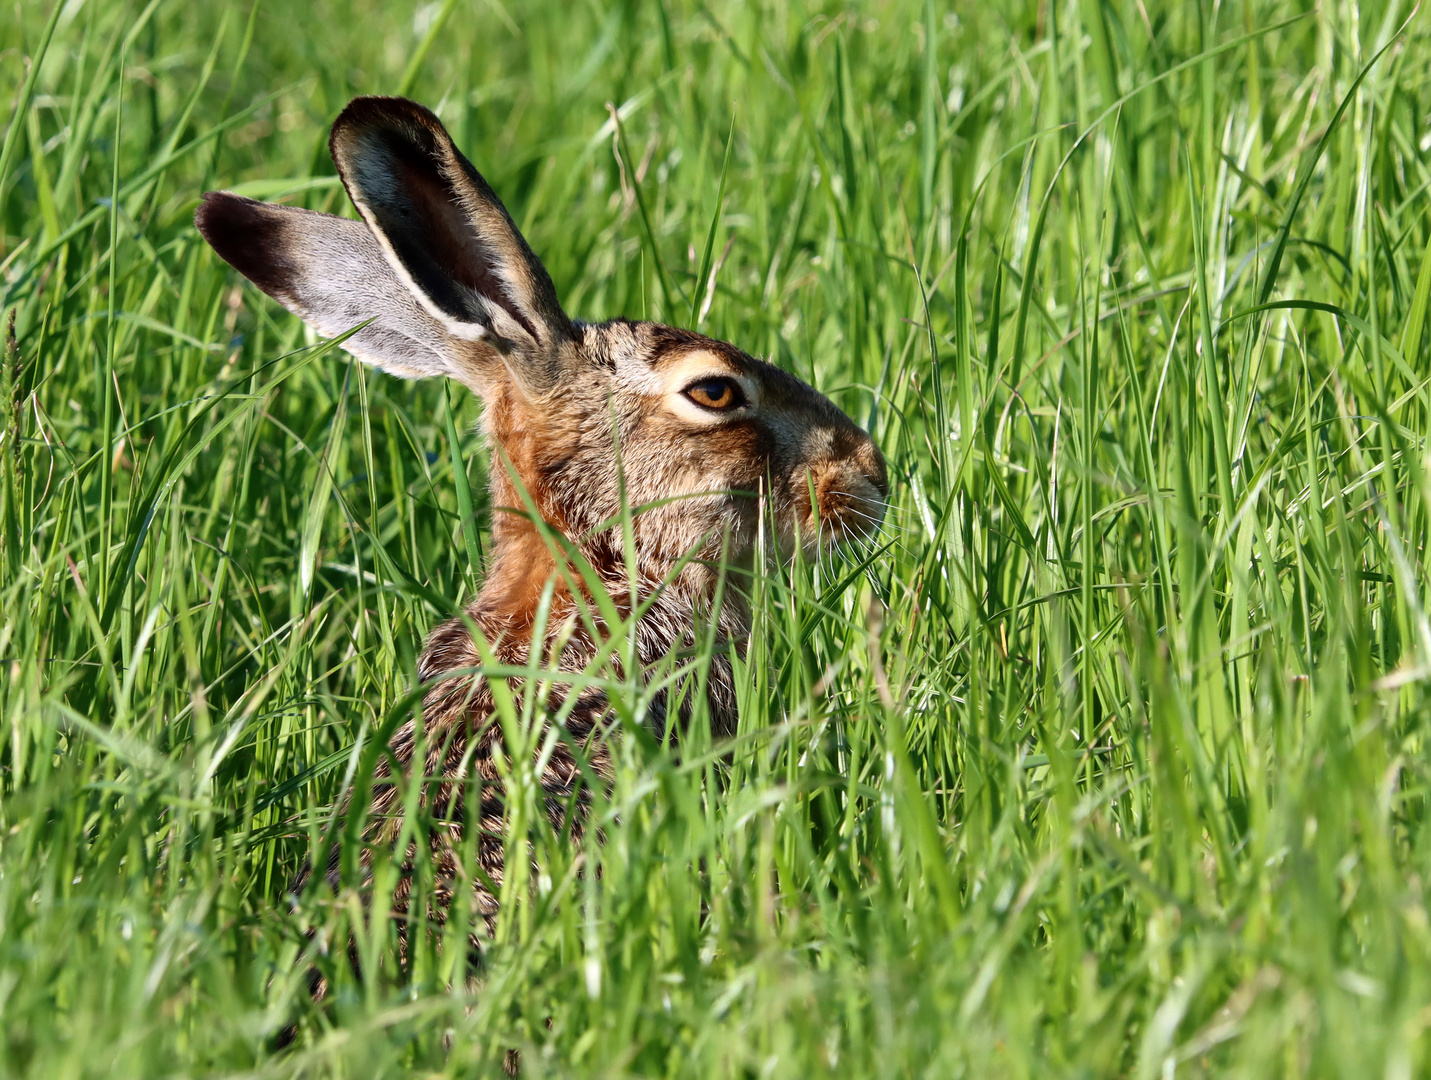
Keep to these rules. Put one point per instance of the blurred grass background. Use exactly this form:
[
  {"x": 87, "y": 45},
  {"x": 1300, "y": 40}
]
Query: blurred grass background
[{"x": 1115, "y": 764}]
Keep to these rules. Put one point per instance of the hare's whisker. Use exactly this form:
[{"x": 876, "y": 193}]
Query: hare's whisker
[{"x": 887, "y": 510}]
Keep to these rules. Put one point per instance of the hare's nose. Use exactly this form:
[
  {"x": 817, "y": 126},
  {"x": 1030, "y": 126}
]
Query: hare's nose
[
  {"x": 871, "y": 462},
  {"x": 854, "y": 451},
  {"x": 863, "y": 464},
  {"x": 854, "y": 484}
]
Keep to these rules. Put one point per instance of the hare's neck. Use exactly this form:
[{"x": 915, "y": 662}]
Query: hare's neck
[{"x": 677, "y": 616}]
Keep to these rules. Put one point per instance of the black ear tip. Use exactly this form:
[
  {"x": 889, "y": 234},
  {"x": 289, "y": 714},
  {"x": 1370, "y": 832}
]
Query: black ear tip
[
  {"x": 395, "y": 116},
  {"x": 385, "y": 113},
  {"x": 203, "y": 213},
  {"x": 227, "y": 220},
  {"x": 215, "y": 210},
  {"x": 248, "y": 235}
]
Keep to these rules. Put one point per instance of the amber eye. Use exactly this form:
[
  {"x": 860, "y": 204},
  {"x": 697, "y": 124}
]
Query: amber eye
[{"x": 716, "y": 393}]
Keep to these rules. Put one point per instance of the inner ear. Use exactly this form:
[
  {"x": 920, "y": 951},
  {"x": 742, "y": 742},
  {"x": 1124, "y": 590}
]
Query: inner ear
[{"x": 423, "y": 214}]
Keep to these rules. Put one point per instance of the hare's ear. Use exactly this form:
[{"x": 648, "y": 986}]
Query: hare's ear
[
  {"x": 332, "y": 273},
  {"x": 446, "y": 232}
]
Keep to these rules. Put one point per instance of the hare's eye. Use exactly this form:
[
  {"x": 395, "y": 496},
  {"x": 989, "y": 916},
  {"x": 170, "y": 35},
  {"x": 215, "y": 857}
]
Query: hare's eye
[{"x": 716, "y": 393}]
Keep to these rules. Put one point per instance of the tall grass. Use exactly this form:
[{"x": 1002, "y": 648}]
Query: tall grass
[{"x": 1114, "y": 761}]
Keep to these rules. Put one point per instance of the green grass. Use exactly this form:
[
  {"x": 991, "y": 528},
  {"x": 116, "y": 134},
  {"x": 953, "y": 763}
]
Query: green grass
[{"x": 1129, "y": 776}]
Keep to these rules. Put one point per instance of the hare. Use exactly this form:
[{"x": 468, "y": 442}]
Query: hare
[{"x": 695, "y": 435}]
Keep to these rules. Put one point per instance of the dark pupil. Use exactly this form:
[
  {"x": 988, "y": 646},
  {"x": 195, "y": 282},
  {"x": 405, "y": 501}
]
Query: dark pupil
[{"x": 717, "y": 390}]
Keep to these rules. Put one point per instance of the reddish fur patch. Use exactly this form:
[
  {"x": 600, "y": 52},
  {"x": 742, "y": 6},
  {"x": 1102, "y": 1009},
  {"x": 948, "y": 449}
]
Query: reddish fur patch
[{"x": 520, "y": 569}]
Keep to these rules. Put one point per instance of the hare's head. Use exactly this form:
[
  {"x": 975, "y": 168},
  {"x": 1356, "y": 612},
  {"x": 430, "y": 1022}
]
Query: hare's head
[{"x": 701, "y": 438}]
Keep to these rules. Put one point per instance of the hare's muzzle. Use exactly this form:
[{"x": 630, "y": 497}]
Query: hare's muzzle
[{"x": 850, "y": 488}]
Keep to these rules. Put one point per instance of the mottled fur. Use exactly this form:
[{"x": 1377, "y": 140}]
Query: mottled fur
[{"x": 453, "y": 289}]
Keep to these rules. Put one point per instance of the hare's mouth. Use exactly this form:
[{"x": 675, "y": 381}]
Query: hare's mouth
[
  {"x": 852, "y": 513},
  {"x": 847, "y": 511}
]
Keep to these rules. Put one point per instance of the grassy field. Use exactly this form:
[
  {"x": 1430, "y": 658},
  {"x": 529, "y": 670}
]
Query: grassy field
[{"x": 1115, "y": 762}]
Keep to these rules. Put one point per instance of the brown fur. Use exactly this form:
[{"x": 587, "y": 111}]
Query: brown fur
[{"x": 574, "y": 412}]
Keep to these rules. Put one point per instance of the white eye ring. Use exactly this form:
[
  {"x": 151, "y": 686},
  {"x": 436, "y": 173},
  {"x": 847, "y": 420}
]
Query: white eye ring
[
  {"x": 720, "y": 393},
  {"x": 692, "y": 410}
]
